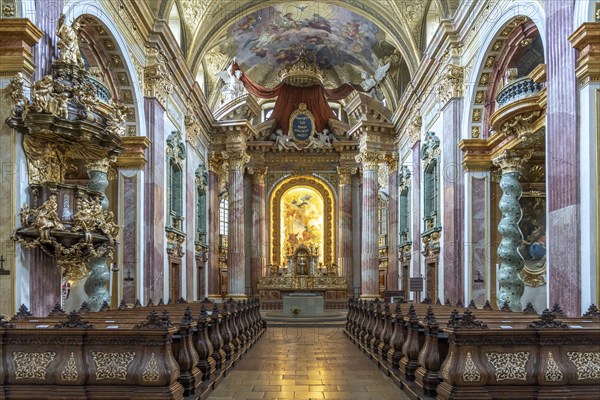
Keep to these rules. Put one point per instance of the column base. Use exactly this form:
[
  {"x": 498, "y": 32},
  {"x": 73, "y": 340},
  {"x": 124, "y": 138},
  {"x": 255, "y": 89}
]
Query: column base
[
  {"x": 215, "y": 297},
  {"x": 369, "y": 297}
]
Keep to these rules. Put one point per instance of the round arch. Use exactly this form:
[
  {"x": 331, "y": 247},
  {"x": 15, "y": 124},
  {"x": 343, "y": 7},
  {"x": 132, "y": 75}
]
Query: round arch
[
  {"x": 75, "y": 9},
  {"x": 326, "y": 194},
  {"x": 490, "y": 33}
]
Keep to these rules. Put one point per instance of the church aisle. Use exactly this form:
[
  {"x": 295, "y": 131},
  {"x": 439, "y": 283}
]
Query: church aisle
[{"x": 306, "y": 363}]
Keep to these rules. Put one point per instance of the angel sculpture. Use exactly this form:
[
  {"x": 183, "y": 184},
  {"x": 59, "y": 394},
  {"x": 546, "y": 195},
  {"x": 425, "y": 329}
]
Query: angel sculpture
[
  {"x": 68, "y": 42},
  {"x": 233, "y": 87},
  {"x": 370, "y": 82}
]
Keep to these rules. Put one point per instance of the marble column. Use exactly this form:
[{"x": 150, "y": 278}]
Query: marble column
[
  {"x": 236, "y": 252},
  {"x": 345, "y": 226},
  {"x": 370, "y": 224},
  {"x": 356, "y": 232},
  {"x": 258, "y": 257},
  {"x": 213, "y": 228},
  {"x": 96, "y": 283},
  {"x": 562, "y": 160},
  {"x": 154, "y": 203},
  {"x": 393, "y": 273},
  {"x": 453, "y": 200},
  {"x": 511, "y": 286}
]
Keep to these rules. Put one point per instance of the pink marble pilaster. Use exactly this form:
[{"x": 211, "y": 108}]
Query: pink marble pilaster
[
  {"x": 562, "y": 162},
  {"x": 478, "y": 245},
  {"x": 154, "y": 199},
  {"x": 236, "y": 252},
  {"x": 453, "y": 200},
  {"x": 345, "y": 225},
  {"x": 370, "y": 225},
  {"x": 213, "y": 232},
  {"x": 130, "y": 245},
  {"x": 392, "y": 278},
  {"x": 258, "y": 260}
]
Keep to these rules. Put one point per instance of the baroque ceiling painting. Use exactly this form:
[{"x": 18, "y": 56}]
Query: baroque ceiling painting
[{"x": 331, "y": 35}]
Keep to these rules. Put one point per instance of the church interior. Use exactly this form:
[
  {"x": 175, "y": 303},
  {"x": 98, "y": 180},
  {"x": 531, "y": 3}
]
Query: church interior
[{"x": 184, "y": 182}]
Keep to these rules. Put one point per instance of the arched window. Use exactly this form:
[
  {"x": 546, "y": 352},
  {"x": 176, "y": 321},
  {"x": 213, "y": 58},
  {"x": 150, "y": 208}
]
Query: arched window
[
  {"x": 201, "y": 182},
  {"x": 404, "y": 200},
  {"x": 175, "y": 23},
  {"x": 383, "y": 219},
  {"x": 223, "y": 228},
  {"x": 430, "y": 156},
  {"x": 175, "y": 158},
  {"x": 432, "y": 22}
]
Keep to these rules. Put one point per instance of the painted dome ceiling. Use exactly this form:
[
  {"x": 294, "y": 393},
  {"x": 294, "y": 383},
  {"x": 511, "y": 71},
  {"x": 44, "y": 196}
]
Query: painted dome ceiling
[{"x": 333, "y": 36}]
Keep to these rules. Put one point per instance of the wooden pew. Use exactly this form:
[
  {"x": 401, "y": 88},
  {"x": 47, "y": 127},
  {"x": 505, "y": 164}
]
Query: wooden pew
[
  {"x": 226, "y": 330},
  {"x": 419, "y": 347}
]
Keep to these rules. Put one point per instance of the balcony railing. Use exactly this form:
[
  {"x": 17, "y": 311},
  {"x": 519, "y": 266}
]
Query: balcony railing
[
  {"x": 519, "y": 89},
  {"x": 102, "y": 91}
]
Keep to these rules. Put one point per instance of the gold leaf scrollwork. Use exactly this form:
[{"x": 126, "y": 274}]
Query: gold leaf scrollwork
[
  {"x": 69, "y": 373},
  {"x": 553, "y": 372},
  {"x": 509, "y": 366},
  {"x": 32, "y": 365},
  {"x": 150, "y": 373},
  {"x": 587, "y": 364},
  {"x": 112, "y": 365},
  {"x": 471, "y": 374}
]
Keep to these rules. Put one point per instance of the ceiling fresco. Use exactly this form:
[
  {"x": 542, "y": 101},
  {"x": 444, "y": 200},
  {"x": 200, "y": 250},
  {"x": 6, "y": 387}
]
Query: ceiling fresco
[{"x": 333, "y": 36}]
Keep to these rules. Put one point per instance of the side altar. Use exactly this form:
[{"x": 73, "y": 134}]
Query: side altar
[{"x": 302, "y": 274}]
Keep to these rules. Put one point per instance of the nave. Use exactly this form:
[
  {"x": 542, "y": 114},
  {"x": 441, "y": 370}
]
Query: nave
[{"x": 306, "y": 363}]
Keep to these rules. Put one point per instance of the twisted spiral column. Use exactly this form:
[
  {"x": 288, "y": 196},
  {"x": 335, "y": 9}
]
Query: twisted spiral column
[
  {"x": 511, "y": 286},
  {"x": 96, "y": 284}
]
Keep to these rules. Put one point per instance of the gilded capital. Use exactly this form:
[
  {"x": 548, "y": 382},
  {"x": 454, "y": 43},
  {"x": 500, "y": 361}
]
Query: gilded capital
[
  {"x": 392, "y": 162},
  {"x": 510, "y": 161},
  {"x": 370, "y": 159},
  {"x": 345, "y": 174},
  {"x": 236, "y": 159},
  {"x": 99, "y": 165},
  {"x": 258, "y": 174},
  {"x": 451, "y": 83}
]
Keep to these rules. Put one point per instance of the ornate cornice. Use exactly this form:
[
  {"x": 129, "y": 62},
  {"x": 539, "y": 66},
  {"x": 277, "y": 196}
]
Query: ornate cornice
[
  {"x": 133, "y": 156},
  {"x": 586, "y": 39},
  {"x": 17, "y": 38}
]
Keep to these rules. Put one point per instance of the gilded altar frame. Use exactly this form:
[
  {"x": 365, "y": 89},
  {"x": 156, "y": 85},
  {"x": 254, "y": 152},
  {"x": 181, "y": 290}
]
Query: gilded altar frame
[{"x": 328, "y": 216}]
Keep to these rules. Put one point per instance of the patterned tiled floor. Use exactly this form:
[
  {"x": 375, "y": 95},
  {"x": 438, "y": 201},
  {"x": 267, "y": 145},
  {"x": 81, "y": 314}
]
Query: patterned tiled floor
[{"x": 306, "y": 363}]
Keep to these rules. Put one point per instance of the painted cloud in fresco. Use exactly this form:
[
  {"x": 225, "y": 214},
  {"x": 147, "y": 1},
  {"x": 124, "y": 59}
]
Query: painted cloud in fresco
[{"x": 334, "y": 35}]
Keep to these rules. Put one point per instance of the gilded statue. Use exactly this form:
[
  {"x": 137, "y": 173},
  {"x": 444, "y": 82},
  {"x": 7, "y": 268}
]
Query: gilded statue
[
  {"x": 15, "y": 90},
  {"x": 42, "y": 94},
  {"x": 88, "y": 216},
  {"x": 46, "y": 216},
  {"x": 116, "y": 124},
  {"x": 68, "y": 42}
]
